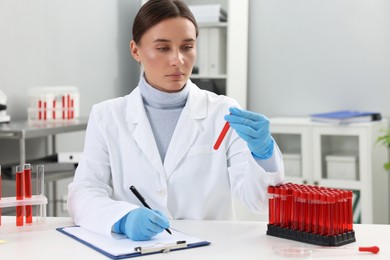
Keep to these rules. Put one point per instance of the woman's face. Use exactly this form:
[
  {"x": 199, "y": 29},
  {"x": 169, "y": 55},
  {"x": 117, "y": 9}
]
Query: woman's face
[{"x": 167, "y": 52}]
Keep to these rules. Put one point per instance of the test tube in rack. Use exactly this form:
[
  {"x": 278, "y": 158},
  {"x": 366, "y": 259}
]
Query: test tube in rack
[
  {"x": 28, "y": 191},
  {"x": 41, "y": 214},
  {"x": 19, "y": 194}
]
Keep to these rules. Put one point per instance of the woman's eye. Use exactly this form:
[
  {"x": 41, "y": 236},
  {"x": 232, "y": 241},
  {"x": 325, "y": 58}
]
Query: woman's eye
[
  {"x": 163, "y": 49},
  {"x": 187, "y": 47}
]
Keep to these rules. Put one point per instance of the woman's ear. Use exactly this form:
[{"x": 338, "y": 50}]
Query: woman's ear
[{"x": 134, "y": 51}]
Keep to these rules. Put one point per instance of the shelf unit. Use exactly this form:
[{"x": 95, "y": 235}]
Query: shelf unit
[
  {"x": 233, "y": 82},
  {"x": 312, "y": 142}
]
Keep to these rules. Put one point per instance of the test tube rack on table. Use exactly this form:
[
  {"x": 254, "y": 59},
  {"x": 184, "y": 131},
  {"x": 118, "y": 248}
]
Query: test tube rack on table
[
  {"x": 311, "y": 214},
  {"x": 24, "y": 200}
]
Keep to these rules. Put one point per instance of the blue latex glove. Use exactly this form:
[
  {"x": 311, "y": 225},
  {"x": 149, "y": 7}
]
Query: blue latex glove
[
  {"x": 254, "y": 129},
  {"x": 142, "y": 224}
]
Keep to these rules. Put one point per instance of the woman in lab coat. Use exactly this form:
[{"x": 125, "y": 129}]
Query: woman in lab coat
[{"x": 160, "y": 139}]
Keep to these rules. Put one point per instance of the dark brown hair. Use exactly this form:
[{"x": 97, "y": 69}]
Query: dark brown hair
[{"x": 155, "y": 11}]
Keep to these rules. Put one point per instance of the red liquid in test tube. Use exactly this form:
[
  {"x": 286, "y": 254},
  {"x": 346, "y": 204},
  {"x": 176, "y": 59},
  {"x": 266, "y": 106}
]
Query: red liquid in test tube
[
  {"x": 283, "y": 207},
  {"x": 221, "y": 136},
  {"x": 349, "y": 211},
  {"x": 332, "y": 213},
  {"x": 296, "y": 209},
  {"x": 68, "y": 105},
  {"x": 277, "y": 206},
  {"x": 28, "y": 191},
  {"x": 315, "y": 209},
  {"x": 54, "y": 108},
  {"x": 271, "y": 205},
  {"x": 303, "y": 208},
  {"x": 72, "y": 110},
  {"x": 338, "y": 225},
  {"x": 344, "y": 212},
  {"x": 44, "y": 110},
  {"x": 39, "y": 109},
  {"x": 289, "y": 206},
  {"x": 321, "y": 215},
  {"x": 19, "y": 194},
  {"x": 309, "y": 210},
  {"x": 327, "y": 215},
  {"x": 63, "y": 106}
]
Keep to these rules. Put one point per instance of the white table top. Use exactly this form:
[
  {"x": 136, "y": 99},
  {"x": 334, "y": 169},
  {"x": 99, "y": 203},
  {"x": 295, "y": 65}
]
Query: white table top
[{"x": 229, "y": 240}]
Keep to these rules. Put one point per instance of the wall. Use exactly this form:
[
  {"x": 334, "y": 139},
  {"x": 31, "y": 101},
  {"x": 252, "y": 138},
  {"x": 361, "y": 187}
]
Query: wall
[
  {"x": 315, "y": 56},
  {"x": 305, "y": 56},
  {"x": 64, "y": 42}
]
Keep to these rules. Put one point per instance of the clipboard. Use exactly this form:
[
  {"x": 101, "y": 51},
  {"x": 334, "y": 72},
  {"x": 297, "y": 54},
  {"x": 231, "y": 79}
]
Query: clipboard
[{"x": 120, "y": 247}]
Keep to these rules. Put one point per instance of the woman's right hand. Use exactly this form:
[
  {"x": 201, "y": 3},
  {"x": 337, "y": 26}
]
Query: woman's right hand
[{"x": 142, "y": 224}]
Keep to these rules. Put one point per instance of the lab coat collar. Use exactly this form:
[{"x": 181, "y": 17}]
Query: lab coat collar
[
  {"x": 141, "y": 130},
  {"x": 187, "y": 128}
]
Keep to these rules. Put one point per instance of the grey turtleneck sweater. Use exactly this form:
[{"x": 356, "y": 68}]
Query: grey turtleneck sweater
[{"x": 163, "y": 110}]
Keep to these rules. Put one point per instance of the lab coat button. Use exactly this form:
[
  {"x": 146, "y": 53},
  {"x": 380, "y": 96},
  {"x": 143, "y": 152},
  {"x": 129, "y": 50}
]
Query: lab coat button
[{"x": 162, "y": 193}]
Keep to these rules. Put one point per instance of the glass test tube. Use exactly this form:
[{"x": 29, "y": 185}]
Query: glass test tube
[
  {"x": 321, "y": 214},
  {"x": 283, "y": 206},
  {"x": 309, "y": 217},
  {"x": 296, "y": 209},
  {"x": 19, "y": 194},
  {"x": 28, "y": 191},
  {"x": 289, "y": 207},
  {"x": 349, "y": 211},
  {"x": 302, "y": 214},
  {"x": 344, "y": 213},
  {"x": 337, "y": 229},
  {"x": 41, "y": 214},
  {"x": 331, "y": 201},
  {"x": 315, "y": 209},
  {"x": 277, "y": 206},
  {"x": 271, "y": 205}
]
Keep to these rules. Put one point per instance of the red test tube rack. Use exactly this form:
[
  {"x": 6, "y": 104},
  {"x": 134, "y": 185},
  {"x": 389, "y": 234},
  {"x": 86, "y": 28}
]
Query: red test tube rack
[{"x": 311, "y": 214}]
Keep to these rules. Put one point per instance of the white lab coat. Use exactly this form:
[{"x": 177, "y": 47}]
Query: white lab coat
[{"x": 195, "y": 181}]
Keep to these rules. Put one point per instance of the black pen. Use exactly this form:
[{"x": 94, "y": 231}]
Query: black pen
[{"x": 140, "y": 198}]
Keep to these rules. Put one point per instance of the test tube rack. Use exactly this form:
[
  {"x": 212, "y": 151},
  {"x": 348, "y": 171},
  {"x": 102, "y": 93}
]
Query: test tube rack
[
  {"x": 53, "y": 104},
  {"x": 26, "y": 203},
  {"x": 311, "y": 214}
]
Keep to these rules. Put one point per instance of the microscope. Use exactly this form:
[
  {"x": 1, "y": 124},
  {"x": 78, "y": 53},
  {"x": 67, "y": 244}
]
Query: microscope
[{"x": 4, "y": 118}]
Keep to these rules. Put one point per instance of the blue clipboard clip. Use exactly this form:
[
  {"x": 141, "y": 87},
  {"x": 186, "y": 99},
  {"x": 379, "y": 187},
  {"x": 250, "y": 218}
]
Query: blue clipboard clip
[{"x": 163, "y": 248}]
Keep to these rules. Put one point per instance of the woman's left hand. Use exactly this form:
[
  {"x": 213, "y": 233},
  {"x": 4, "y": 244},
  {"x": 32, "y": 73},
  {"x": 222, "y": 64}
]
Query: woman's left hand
[{"x": 254, "y": 129}]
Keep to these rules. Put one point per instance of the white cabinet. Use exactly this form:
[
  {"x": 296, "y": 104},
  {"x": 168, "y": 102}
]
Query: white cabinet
[{"x": 339, "y": 156}]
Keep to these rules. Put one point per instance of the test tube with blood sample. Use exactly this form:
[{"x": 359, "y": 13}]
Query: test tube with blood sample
[
  {"x": 19, "y": 194},
  {"x": 271, "y": 205},
  {"x": 28, "y": 191}
]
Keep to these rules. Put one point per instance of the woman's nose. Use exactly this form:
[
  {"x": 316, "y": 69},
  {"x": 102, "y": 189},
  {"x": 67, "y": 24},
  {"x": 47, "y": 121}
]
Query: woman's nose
[{"x": 176, "y": 58}]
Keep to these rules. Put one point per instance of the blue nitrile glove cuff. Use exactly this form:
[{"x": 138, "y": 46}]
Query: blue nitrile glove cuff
[
  {"x": 266, "y": 153},
  {"x": 117, "y": 226},
  {"x": 141, "y": 224}
]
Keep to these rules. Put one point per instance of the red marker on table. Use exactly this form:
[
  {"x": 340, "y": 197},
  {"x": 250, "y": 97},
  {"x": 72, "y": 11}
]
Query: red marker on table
[{"x": 221, "y": 135}]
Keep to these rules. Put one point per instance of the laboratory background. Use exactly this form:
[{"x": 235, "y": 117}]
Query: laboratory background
[{"x": 302, "y": 57}]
